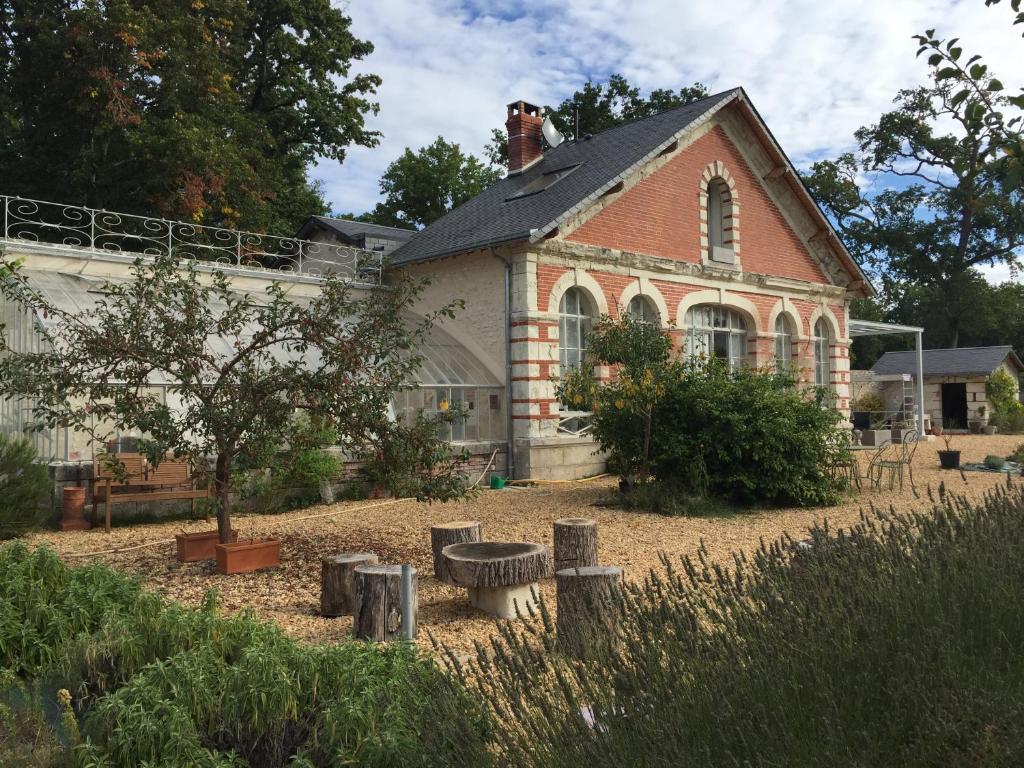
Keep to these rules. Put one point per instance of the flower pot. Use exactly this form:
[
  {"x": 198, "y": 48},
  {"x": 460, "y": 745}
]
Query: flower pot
[
  {"x": 989, "y": 429},
  {"x": 949, "y": 459},
  {"x": 73, "y": 510},
  {"x": 246, "y": 556},
  {"x": 193, "y": 547},
  {"x": 974, "y": 426},
  {"x": 936, "y": 429}
]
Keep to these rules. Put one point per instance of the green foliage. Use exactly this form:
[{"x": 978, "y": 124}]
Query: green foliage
[
  {"x": 24, "y": 487},
  {"x": 886, "y": 645},
  {"x": 1002, "y": 394},
  {"x": 939, "y": 201},
  {"x": 746, "y": 437},
  {"x": 1018, "y": 454},
  {"x": 421, "y": 187},
  {"x": 236, "y": 401},
  {"x": 995, "y": 462},
  {"x": 869, "y": 401},
  {"x": 210, "y": 111},
  {"x": 407, "y": 460},
  {"x": 155, "y": 683},
  {"x": 666, "y": 498}
]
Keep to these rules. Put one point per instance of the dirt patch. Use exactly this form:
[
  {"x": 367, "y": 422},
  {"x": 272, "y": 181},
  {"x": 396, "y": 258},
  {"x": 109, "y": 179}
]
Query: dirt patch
[{"x": 400, "y": 532}]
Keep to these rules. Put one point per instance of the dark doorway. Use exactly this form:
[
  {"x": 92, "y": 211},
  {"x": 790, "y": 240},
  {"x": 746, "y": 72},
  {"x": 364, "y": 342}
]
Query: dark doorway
[{"x": 954, "y": 406}]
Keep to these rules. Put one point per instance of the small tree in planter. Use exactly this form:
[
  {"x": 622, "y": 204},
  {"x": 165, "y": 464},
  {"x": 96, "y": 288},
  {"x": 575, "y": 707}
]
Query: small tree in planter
[{"x": 238, "y": 367}]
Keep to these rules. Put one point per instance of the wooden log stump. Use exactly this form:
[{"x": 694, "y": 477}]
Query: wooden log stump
[
  {"x": 378, "y": 602},
  {"x": 337, "y": 586},
  {"x": 588, "y": 609},
  {"x": 451, "y": 533},
  {"x": 575, "y": 543}
]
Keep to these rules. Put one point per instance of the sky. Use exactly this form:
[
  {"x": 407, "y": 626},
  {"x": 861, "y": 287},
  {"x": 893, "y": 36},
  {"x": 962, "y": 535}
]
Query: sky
[{"x": 815, "y": 69}]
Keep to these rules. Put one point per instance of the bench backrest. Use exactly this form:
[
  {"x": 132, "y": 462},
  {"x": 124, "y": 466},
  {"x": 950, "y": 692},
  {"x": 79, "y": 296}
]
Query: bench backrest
[
  {"x": 170, "y": 472},
  {"x": 134, "y": 467}
]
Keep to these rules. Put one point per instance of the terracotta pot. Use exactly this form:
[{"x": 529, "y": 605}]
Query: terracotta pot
[
  {"x": 193, "y": 547},
  {"x": 246, "y": 556},
  {"x": 73, "y": 516}
]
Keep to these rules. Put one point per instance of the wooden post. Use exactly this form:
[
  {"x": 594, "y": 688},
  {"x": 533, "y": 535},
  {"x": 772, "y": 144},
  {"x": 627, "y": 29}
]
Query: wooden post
[
  {"x": 575, "y": 543},
  {"x": 451, "y": 533},
  {"x": 337, "y": 587},
  {"x": 378, "y": 610},
  {"x": 587, "y": 620}
]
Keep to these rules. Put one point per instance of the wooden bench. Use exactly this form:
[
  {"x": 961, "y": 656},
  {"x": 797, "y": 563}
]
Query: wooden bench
[{"x": 170, "y": 480}]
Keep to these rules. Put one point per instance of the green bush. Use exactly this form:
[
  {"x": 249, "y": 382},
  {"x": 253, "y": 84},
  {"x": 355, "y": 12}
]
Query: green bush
[
  {"x": 154, "y": 683},
  {"x": 746, "y": 437},
  {"x": 892, "y": 644},
  {"x": 23, "y": 488},
  {"x": 1007, "y": 410}
]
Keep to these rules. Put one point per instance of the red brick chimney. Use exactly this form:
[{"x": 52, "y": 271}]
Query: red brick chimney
[{"x": 524, "y": 136}]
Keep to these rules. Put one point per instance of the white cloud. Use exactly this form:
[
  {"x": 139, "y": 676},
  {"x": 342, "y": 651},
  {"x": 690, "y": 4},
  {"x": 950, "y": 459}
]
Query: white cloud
[{"x": 815, "y": 70}]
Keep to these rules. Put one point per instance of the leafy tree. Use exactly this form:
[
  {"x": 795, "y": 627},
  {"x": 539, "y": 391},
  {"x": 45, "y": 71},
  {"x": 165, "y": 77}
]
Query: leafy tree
[
  {"x": 239, "y": 367},
  {"x": 421, "y": 187},
  {"x": 23, "y": 487},
  {"x": 210, "y": 110},
  {"x": 602, "y": 106}
]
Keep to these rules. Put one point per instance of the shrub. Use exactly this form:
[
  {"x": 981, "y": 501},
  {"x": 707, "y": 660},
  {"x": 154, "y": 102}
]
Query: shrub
[
  {"x": 995, "y": 462},
  {"x": 887, "y": 645},
  {"x": 663, "y": 498},
  {"x": 23, "y": 488},
  {"x": 745, "y": 437},
  {"x": 159, "y": 684},
  {"x": 1007, "y": 411}
]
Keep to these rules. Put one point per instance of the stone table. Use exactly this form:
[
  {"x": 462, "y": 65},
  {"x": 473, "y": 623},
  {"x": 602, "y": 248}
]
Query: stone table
[{"x": 499, "y": 575}]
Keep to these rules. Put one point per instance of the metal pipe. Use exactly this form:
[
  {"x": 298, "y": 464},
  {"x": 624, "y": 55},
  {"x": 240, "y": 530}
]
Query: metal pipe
[
  {"x": 510, "y": 462},
  {"x": 408, "y": 617},
  {"x": 920, "y": 385}
]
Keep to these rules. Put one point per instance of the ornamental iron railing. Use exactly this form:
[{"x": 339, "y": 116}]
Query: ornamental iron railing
[{"x": 74, "y": 226}]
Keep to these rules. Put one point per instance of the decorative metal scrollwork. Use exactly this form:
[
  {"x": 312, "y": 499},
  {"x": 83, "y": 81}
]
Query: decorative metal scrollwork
[{"x": 74, "y": 226}]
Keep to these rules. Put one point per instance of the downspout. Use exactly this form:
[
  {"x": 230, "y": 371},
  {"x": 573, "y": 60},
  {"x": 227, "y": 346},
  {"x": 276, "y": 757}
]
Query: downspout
[{"x": 510, "y": 462}]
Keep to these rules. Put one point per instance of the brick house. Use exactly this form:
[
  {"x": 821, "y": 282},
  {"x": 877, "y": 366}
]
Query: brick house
[{"x": 693, "y": 218}]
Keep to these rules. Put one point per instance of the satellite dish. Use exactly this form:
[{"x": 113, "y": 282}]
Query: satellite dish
[{"x": 551, "y": 134}]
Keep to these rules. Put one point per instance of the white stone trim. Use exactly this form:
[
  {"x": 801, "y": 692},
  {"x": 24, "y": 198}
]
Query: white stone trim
[
  {"x": 642, "y": 286},
  {"x": 730, "y": 212},
  {"x": 577, "y": 278},
  {"x": 723, "y": 298},
  {"x": 820, "y": 311},
  {"x": 785, "y": 307}
]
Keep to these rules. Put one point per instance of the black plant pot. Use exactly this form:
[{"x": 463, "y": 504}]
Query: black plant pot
[{"x": 949, "y": 459}]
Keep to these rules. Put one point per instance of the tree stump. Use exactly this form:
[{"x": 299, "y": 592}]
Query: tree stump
[
  {"x": 378, "y": 604},
  {"x": 337, "y": 587},
  {"x": 451, "y": 533},
  {"x": 575, "y": 543},
  {"x": 588, "y": 609}
]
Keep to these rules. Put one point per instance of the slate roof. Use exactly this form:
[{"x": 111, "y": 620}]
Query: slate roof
[
  {"x": 354, "y": 230},
  {"x": 496, "y": 216},
  {"x": 959, "y": 361}
]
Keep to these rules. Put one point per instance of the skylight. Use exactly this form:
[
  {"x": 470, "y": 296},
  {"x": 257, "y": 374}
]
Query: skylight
[{"x": 542, "y": 182}]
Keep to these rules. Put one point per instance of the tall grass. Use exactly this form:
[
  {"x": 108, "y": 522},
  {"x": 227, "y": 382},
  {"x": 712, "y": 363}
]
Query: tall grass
[
  {"x": 898, "y": 643},
  {"x": 154, "y": 683}
]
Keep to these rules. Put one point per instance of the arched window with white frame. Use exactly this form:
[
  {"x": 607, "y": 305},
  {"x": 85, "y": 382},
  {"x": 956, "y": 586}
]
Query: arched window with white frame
[
  {"x": 821, "y": 353},
  {"x": 715, "y": 331},
  {"x": 643, "y": 310},
  {"x": 575, "y": 318},
  {"x": 783, "y": 342}
]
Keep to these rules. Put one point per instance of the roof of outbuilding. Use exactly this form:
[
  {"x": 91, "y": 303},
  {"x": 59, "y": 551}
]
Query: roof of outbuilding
[
  {"x": 496, "y": 215},
  {"x": 958, "y": 361},
  {"x": 354, "y": 229}
]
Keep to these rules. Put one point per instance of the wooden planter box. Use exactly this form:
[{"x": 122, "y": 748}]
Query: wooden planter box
[
  {"x": 193, "y": 547},
  {"x": 246, "y": 556},
  {"x": 875, "y": 436}
]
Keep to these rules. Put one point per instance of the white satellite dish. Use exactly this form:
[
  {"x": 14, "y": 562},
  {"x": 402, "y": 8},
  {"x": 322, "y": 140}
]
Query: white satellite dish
[{"x": 551, "y": 134}]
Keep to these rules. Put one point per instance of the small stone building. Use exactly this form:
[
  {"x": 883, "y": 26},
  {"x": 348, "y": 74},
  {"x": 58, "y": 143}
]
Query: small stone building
[{"x": 954, "y": 380}]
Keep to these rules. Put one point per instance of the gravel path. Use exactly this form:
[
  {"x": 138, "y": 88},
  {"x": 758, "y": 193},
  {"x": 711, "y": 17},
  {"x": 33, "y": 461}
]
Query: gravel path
[{"x": 399, "y": 532}]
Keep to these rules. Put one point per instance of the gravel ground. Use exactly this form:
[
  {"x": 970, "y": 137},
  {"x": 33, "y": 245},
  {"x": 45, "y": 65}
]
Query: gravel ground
[{"x": 400, "y": 532}]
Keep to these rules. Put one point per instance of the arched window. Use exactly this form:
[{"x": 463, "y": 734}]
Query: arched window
[
  {"x": 718, "y": 193},
  {"x": 574, "y": 320},
  {"x": 821, "y": 353},
  {"x": 642, "y": 309},
  {"x": 783, "y": 342},
  {"x": 713, "y": 331}
]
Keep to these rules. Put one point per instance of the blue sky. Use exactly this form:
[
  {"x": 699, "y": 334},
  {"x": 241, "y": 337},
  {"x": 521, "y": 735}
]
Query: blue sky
[{"x": 815, "y": 69}]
